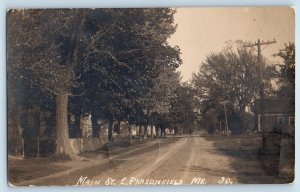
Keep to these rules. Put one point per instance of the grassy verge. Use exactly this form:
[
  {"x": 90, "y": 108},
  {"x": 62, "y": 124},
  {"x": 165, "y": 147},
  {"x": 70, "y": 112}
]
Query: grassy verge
[{"x": 251, "y": 167}]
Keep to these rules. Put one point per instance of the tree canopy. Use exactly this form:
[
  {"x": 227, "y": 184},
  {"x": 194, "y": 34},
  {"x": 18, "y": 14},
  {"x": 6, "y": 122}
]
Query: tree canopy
[
  {"x": 286, "y": 74},
  {"x": 229, "y": 76},
  {"x": 111, "y": 59}
]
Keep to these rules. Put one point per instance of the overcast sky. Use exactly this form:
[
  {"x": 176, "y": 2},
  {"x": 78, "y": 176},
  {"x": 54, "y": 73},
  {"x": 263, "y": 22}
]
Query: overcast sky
[{"x": 204, "y": 30}]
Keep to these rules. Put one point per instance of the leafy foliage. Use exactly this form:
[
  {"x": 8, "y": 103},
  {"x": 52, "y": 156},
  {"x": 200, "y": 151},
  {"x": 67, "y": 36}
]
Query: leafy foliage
[
  {"x": 229, "y": 76},
  {"x": 112, "y": 63},
  {"x": 286, "y": 73}
]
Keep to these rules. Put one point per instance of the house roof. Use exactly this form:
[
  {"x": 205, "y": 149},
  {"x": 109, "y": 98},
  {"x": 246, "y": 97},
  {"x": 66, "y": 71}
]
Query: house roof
[{"x": 276, "y": 105}]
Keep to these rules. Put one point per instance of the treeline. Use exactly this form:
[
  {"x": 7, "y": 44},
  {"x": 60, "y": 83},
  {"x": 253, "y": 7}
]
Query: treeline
[
  {"x": 114, "y": 64},
  {"x": 229, "y": 81}
]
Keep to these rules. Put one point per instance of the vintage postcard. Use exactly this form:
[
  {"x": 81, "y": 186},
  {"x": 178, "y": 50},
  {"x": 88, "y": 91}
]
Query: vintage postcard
[{"x": 150, "y": 96}]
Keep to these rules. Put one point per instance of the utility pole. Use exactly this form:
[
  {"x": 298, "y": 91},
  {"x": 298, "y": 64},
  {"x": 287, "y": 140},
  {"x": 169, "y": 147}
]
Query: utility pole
[
  {"x": 224, "y": 103},
  {"x": 261, "y": 84}
]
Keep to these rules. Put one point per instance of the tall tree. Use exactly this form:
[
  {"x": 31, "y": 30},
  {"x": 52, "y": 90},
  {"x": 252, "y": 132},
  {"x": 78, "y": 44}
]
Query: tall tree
[
  {"x": 34, "y": 55},
  {"x": 108, "y": 57},
  {"x": 47, "y": 52},
  {"x": 231, "y": 76},
  {"x": 123, "y": 80},
  {"x": 183, "y": 109},
  {"x": 286, "y": 73}
]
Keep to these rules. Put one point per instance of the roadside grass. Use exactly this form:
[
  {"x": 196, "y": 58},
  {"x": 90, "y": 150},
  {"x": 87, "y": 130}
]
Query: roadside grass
[
  {"x": 27, "y": 169},
  {"x": 248, "y": 162},
  {"x": 23, "y": 170}
]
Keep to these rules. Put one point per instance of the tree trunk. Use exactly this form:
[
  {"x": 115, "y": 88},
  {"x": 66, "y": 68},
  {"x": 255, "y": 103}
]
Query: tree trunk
[
  {"x": 156, "y": 131},
  {"x": 110, "y": 129},
  {"x": 76, "y": 130},
  {"x": 151, "y": 130},
  {"x": 15, "y": 134},
  {"x": 162, "y": 131},
  {"x": 140, "y": 132},
  {"x": 130, "y": 128},
  {"x": 241, "y": 109},
  {"x": 63, "y": 148},
  {"x": 118, "y": 127},
  {"x": 145, "y": 131},
  {"x": 95, "y": 127}
]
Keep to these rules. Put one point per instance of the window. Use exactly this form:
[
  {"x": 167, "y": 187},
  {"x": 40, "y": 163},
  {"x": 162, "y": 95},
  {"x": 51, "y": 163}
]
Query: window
[
  {"x": 291, "y": 120},
  {"x": 280, "y": 120}
]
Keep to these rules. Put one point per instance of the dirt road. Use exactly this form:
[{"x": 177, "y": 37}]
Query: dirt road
[
  {"x": 173, "y": 160},
  {"x": 190, "y": 160}
]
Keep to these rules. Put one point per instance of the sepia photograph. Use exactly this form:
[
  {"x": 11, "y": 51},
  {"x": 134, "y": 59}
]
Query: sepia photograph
[{"x": 150, "y": 96}]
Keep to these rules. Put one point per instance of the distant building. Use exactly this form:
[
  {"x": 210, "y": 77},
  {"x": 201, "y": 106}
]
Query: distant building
[{"x": 279, "y": 115}]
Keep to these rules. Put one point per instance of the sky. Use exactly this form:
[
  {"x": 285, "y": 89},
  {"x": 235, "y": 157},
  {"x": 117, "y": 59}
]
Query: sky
[{"x": 201, "y": 31}]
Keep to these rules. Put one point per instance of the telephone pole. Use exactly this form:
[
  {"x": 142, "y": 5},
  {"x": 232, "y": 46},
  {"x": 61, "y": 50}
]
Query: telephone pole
[
  {"x": 227, "y": 128},
  {"x": 261, "y": 67}
]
